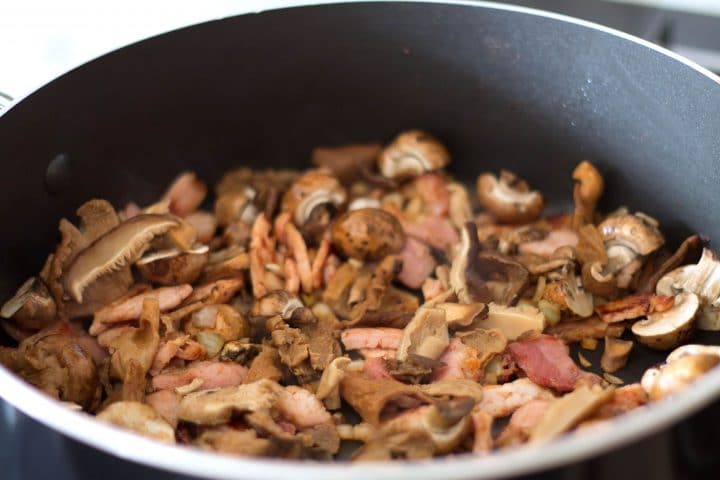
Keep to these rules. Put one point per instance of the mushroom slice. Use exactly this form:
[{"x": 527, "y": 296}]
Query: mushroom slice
[
  {"x": 628, "y": 235},
  {"x": 677, "y": 375},
  {"x": 412, "y": 153},
  {"x": 448, "y": 423},
  {"x": 461, "y": 387},
  {"x": 328, "y": 389},
  {"x": 367, "y": 234},
  {"x": 509, "y": 198},
  {"x": 173, "y": 266},
  {"x": 703, "y": 279},
  {"x": 588, "y": 189},
  {"x": 667, "y": 329},
  {"x": 514, "y": 321},
  {"x": 283, "y": 303},
  {"x": 32, "y": 306},
  {"x": 139, "y": 418},
  {"x": 309, "y": 191},
  {"x": 458, "y": 315},
  {"x": 216, "y": 407},
  {"x": 465, "y": 282},
  {"x": 566, "y": 412},
  {"x": 685, "y": 350},
  {"x": 120, "y": 246},
  {"x": 616, "y": 354},
  {"x": 347, "y": 162},
  {"x": 426, "y": 335},
  {"x": 577, "y": 299}
]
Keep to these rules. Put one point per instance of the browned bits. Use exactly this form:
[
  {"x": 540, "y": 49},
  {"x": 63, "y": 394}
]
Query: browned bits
[{"x": 367, "y": 234}]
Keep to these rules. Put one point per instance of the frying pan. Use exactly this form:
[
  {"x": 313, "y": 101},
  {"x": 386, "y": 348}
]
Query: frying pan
[{"x": 504, "y": 87}]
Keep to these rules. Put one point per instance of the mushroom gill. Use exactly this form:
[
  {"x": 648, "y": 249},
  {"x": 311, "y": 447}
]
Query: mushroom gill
[{"x": 120, "y": 246}]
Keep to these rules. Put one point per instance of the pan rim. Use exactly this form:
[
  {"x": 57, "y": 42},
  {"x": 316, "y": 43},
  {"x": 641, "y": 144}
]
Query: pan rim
[{"x": 128, "y": 446}]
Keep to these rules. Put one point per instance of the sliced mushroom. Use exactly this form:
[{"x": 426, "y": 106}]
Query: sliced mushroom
[
  {"x": 577, "y": 299},
  {"x": 139, "y": 418},
  {"x": 588, "y": 189},
  {"x": 367, "y": 234},
  {"x": 217, "y": 406},
  {"x": 456, "y": 388},
  {"x": 702, "y": 279},
  {"x": 32, "y": 307},
  {"x": 284, "y": 304},
  {"x": 236, "y": 206},
  {"x": 458, "y": 315},
  {"x": 412, "y": 153},
  {"x": 328, "y": 389},
  {"x": 616, "y": 354},
  {"x": 667, "y": 329},
  {"x": 349, "y": 162},
  {"x": 678, "y": 374},
  {"x": 628, "y": 236},
  {"x": 509, "y": 198},
  {"x": 686, "y": 350},
  {"x": 514, "y": 321},
  {"x": 483, "y": 277},
  {"x": 314, "y": 189},
  {"x": 173, "y": 266},
  {"x": 119, "y": 247},
  {"x": 460, "y": 209},
  {"x": 426, "y": 335},
  {"x": 364, "y": 202},
  {"x": 566, "y": 412}
]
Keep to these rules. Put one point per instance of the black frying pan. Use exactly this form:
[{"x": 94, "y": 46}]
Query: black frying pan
[{"x": 503, "y": 87}]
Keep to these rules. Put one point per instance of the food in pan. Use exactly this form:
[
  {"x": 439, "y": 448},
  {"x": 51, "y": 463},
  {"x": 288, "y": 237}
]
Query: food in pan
[{"x": 371, "y": 300}]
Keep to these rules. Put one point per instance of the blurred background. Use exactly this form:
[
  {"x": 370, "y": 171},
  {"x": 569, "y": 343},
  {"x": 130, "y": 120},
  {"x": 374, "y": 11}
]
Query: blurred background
[{"x": 40, "y": 40}]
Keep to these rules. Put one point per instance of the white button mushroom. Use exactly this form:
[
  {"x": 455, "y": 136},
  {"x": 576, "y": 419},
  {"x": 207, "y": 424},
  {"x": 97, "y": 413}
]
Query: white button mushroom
[{"x": 668, "y": 329}]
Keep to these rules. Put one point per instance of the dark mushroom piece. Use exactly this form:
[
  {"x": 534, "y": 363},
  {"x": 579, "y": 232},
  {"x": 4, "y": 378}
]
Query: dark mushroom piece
[
  {"x": 32, "y": 307},
  {"x": 368, "y": 234}
]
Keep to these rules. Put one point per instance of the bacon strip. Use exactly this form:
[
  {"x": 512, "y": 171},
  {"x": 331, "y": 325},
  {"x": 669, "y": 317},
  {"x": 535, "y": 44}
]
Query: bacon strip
[{"x": 546, "y": 362}]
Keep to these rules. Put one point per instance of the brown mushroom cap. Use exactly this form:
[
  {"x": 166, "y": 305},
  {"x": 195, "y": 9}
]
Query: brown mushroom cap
[
  {"x": 119, "y": 247},
  {"x": 171, "y": 267},
  {"x": 32, "y": 306},
  {"x": 367, "y": 234},
  {"x": 632, "y": 231},
  {"x": 314, "y": 188},
  {"x": 412, "y": 153},
  {"x": 680, "y": 373},
  {"x": 509, "y": 198},
  {"x": 667, "y": 329}
]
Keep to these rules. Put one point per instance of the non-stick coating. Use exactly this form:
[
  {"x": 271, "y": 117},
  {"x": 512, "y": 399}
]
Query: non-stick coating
[{"x": 503, "y": 89}]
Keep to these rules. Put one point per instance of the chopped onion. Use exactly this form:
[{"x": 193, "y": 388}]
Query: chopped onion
[{"x": 212, "y": 342}]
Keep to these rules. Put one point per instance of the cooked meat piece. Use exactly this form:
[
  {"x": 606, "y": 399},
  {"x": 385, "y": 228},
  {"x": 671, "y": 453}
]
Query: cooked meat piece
[
  {"x": 624, "y": 399},
  {"x": 165, "y": 403},
  {"x": 546, "y": 362},
  {"x": 417, "y": 263},
  {"x": 457, "y": 362},
  {"x": 357, "y": 338},
  {"x": 375, "y": 368},
  {"x": 592, "y": 327},
  {"x": 522, "y": 422},
  {"x": 482, "y": 428},
  {"x": 502, "y": 400},
  {"x": 302, "y": 408},
  {"x": 212, "y": 374}
]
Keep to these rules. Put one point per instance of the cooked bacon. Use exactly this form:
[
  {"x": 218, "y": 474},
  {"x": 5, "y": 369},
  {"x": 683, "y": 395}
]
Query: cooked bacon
[
  {"x": 262, "y": 251},
  {"x": 302, "y": 408},
  {"x": 522, "y": 421},
  {"x": 458, "y": 361},
  {"x": 633, "y": 306},
  {"x": 502, "y": 400},
  {"x": 204, "y": 224},
  {"x": 182, "y": 347},
  {"x": 319, "y": 262},
  {"x": 129, "y": 309},
  {"x": 213, "y": 375},
  {"x": 431, "y": 288},
  {"x": 292, "y": 278},
  {"x": 547, "y": 246},
  {"x": 435, "y": 231},
  {"x": 386, "y": 353},
  {"x": 296, "y": 245},
  {"x": 379, "y": 337},
  {"x": 223, "y": 291},
  {"x": 375, "y": 368},
  {"x": 573, "y": 331},
  {"x": 624, "y": 399},
  {"x": 185, "y": 194},
  {"x": 417, "y": 263},
  {"x": 546, "y": 362},
  {"x": 433, "y": 190}
]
